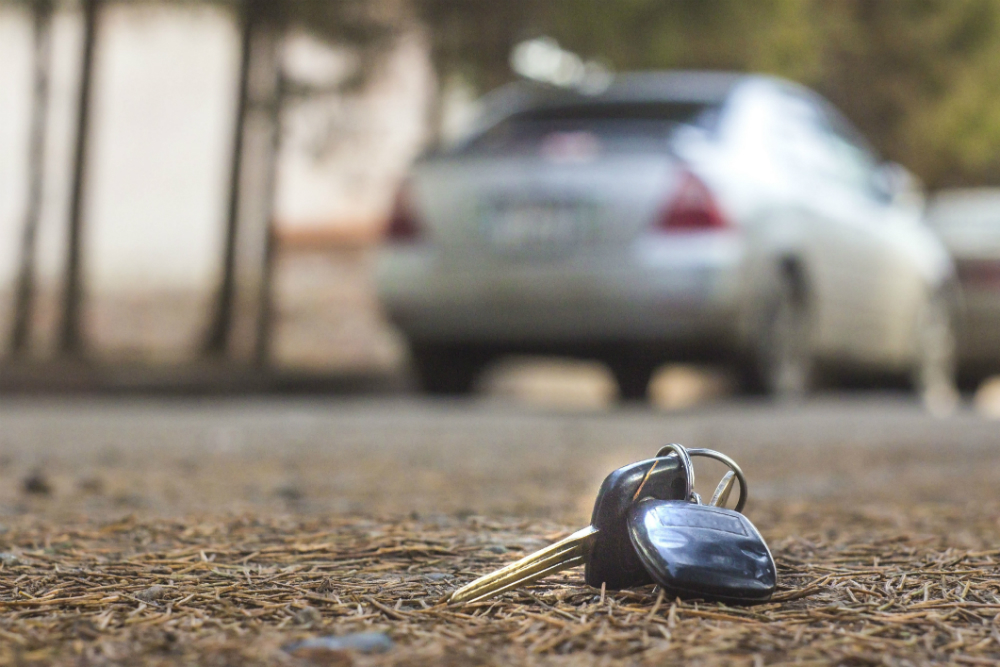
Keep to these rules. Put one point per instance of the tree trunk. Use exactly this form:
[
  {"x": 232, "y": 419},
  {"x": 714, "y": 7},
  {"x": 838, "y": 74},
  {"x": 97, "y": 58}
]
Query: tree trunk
[
  {"x": 25, "y": 288},
  {"x": 218, "y": 334},
  {"x": 241, "y": 324},
  {"x": 70, "y": 342}
]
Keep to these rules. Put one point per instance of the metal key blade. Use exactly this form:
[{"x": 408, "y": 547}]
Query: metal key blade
[
  {"x": 605, "y": 546},
  {"x": 523, "y": 580},
  {"x": 722, "y": 491},
  {"x": 564, "y": 554}
]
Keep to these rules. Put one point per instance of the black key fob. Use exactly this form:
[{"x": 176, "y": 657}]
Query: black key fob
[
  {"x": 612, "y": 560},
  {"x": 699, "y": 551}
]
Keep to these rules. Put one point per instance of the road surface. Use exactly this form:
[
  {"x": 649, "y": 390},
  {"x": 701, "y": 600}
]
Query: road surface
[{"x": 481, "y": 456}]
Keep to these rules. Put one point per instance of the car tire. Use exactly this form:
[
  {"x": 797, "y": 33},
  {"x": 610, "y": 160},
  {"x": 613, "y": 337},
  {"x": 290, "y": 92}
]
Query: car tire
[
  {"x": 783, "y": 364},
  {"x": 447, "y": 370},
  {"x": 632, "y": 377},
  {"x": 934, "y": 374}
]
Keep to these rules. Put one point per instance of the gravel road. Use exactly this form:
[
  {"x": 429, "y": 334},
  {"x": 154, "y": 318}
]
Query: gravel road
[{"x": 487, "y": 456}]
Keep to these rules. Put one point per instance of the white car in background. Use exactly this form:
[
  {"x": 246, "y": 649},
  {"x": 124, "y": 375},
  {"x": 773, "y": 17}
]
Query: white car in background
[
  {"x": 724, "y": 218},
  {"x": 968, "y": 221}
]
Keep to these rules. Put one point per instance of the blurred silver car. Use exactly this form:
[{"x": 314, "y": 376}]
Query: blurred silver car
[
  {"x": 674, "y": 216},
  {"x": 969, "y": 223}
]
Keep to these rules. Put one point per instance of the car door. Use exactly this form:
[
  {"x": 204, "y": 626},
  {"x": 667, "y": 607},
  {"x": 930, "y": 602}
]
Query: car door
[
  {"x": 838, "y": 243},
  {"x": 890, "y": 238}
]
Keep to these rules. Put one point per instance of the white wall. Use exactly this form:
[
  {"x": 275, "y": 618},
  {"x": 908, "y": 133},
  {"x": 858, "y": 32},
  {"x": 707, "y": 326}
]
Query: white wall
[
  {"x": 343, "y": 156},
  {"x": 164, "y": 101}
]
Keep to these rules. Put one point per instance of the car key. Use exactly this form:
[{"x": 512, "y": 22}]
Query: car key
[
  {"x": 604, "y": 546},
  {"x": 701, "y": 551},
  {"x": 722, "y": 491}
]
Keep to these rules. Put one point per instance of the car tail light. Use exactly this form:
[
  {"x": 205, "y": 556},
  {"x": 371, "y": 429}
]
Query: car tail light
[
  {"x": 979, "y": 273},
  {"x": 691, "y": 209},
  {"x": 404, "y": 225}
]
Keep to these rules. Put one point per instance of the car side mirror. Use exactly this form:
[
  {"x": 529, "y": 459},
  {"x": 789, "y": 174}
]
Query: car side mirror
[{"x": 895, "y": 184}]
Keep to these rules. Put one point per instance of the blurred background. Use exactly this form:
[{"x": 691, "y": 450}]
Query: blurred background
[{"x": 192, "y": 194}]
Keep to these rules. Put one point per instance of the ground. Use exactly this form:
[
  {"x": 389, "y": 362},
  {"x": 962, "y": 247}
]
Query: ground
[{"x": 155, "y": 531}]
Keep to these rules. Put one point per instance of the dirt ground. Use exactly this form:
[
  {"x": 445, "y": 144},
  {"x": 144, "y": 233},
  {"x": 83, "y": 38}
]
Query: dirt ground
[{"x": 225, "y": 531}]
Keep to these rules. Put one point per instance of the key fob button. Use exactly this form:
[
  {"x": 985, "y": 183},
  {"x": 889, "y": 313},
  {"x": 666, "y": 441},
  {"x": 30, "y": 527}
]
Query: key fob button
[{"x": 699, "y": 551}]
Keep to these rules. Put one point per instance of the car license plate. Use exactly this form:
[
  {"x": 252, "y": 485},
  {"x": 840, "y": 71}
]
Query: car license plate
[{"x": 534, "y": 228}]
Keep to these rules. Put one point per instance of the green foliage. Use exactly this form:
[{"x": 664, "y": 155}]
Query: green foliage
[
  {"x": 771, "y": 35},
  {"x": 921, "y": 78}
]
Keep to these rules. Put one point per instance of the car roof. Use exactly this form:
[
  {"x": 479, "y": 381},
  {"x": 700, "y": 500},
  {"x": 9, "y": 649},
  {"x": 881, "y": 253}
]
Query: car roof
[
  {"x": 706, "y": 87},
  {"x": 682, "y": 86}
]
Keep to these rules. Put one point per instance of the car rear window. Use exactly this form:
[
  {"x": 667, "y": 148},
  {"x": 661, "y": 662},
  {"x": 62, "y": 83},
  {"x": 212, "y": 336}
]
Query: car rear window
[{"x": 645, "y": 126}]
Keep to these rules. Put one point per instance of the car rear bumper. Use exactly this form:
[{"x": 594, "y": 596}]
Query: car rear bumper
[{"x": 676, "y": 291}]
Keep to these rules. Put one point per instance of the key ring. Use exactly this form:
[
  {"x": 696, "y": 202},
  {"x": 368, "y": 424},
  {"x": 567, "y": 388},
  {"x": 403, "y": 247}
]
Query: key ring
[
  {"x": 718, "y": 456},
  {"x": 685, "y": 461},
  {"x": 685, "y": 455}
]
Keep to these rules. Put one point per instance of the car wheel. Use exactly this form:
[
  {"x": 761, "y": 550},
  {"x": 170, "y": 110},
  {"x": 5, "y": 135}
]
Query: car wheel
[
  {"x": 934, "y": 373},
  {"x": 447, "y": 370},
  {"x": 784, "y": 367},
  {"x": 632, "y": 377}
]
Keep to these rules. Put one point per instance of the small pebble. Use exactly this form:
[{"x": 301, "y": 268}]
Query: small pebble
[
  {"x": 362, "y": 642},
  {"x": 36, "y": 484},
  {"x": 151, "y": 593},
  {"x": 7, "y": 558},
  {"x": 289, "y": 492},
  {"x": 437, "y": 576},
  {"x": 497, "y": 549},
  {"x": 307, "y": 616}
]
